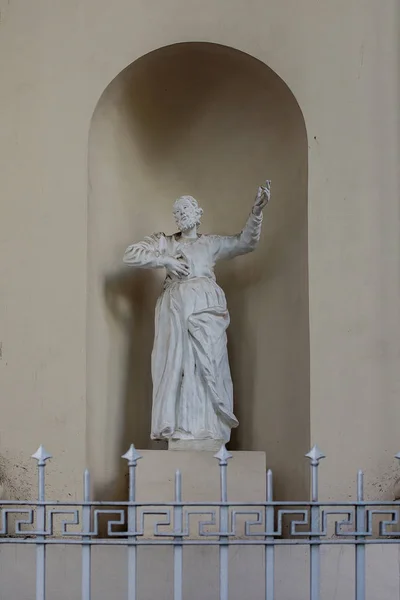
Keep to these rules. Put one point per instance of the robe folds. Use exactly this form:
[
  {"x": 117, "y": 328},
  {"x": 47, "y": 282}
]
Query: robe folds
[{"x": 192, "y": 384}]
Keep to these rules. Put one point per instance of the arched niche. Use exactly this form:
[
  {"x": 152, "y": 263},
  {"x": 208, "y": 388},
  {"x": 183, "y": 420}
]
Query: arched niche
[{"x": 206, "y": 120}]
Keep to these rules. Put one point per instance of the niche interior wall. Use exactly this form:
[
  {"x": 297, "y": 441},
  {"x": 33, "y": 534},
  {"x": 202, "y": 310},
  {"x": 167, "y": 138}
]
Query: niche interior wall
[{"x": 206, "y": 120}]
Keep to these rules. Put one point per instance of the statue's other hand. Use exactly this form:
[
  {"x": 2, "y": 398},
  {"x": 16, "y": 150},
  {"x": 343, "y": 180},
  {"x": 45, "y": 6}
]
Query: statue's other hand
[{"x": 180, "y": 268}]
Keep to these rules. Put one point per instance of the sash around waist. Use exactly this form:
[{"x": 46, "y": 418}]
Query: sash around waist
[{"x": 168, "y": 282}]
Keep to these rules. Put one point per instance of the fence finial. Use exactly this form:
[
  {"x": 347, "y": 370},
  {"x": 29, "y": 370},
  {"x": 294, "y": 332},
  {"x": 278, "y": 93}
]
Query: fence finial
[
  {"x": 223, "y": 455},
  {"x": 315, "y": 455},
  {"x": 132, "y": 456},
  {"x": 41, "y": 455}
]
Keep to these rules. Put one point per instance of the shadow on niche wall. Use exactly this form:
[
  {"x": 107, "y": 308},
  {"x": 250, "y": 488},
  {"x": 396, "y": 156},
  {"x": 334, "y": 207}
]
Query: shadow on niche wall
[{"x": 130, "y": 296}]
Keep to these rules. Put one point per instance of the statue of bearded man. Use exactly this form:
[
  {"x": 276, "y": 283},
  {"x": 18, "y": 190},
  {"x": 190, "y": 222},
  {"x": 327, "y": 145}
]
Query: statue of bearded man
[{"x": 192, "y": 384}]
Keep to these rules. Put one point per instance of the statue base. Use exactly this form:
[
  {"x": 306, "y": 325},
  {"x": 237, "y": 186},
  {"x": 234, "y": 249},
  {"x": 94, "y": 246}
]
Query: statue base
[
  {"x": 196, "y": 445},
  {"x": 200, "y": 472}
]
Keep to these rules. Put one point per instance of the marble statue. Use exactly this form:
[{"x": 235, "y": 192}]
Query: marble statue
[{"x": 192, "y": 385}]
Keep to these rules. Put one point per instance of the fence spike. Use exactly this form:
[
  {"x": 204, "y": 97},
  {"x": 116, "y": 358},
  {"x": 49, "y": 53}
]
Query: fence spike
[
  {"x": 132, "y": 456},
  {"x": 223, "y": 455},
  {"x": 41, "y": 455},
  {"x": 315, "y": 455}
]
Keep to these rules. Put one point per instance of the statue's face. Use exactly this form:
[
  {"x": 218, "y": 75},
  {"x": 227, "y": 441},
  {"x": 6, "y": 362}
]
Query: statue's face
[{"x": 185, "y": 214}]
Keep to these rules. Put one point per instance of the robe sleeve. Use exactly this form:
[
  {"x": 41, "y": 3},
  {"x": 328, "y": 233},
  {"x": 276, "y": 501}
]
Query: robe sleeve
[
  {"x": 229, "y": 246},
  {"x": 147, "y": 254}
]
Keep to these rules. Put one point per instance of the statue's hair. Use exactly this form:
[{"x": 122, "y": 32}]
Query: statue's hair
[{"x": 194, "y": 203}]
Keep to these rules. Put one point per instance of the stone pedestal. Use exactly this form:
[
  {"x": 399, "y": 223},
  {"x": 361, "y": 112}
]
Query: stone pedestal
[
  {"x": 198, "y": 445},
  {"x": 200, "y": 473}
]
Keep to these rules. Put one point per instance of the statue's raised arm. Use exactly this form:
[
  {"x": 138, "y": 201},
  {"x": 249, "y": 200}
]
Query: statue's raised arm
[
  {"x": 192, "y": 385},
  {"x": 230, "y": 246}
]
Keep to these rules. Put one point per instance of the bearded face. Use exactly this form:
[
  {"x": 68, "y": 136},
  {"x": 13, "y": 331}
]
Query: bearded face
[{"x": 186, "y": 213}]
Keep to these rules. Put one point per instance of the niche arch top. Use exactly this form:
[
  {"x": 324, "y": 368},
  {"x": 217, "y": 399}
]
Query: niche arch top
[{"x": 207, "y": 120}]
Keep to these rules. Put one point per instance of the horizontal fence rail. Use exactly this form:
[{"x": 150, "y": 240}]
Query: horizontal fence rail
[{"x": 267, "y": 523}]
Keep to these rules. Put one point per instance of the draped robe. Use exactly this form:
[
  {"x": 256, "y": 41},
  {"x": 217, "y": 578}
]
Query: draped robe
[{"x": 192, "y": 385}]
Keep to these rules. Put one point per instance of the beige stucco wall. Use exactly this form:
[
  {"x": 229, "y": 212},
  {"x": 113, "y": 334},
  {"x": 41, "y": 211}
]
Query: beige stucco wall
[
  {"x": 200, "y": 577},
  {"x": 341, "y": 62}
]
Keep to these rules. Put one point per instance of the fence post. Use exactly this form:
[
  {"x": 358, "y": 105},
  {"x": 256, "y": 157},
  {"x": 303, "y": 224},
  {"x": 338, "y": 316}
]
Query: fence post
[
  {"x": 41, "y": 456},
  {"x": 132, "y": 456},
  {"x": 86, "y": 547},
  {"x": 223, "y": 456},
  {"x": 269, "y": 548},
  {"x": 178, "y": 548},
  {"x": 360, "y": 548},
  {"x": 315, "y": 455}
]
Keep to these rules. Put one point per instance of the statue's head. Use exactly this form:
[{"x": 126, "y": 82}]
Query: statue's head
[{"x": 187, "y": 213}]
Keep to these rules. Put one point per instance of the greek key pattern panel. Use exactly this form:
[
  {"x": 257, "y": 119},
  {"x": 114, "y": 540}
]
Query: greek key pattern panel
[{"x": 187, "y": 522}]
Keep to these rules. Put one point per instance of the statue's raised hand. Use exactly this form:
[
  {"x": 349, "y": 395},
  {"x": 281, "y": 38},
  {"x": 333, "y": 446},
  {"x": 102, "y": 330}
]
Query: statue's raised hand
[
  {"x": 262, "y": 198},
  {"x": 177, "y": 267}
]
